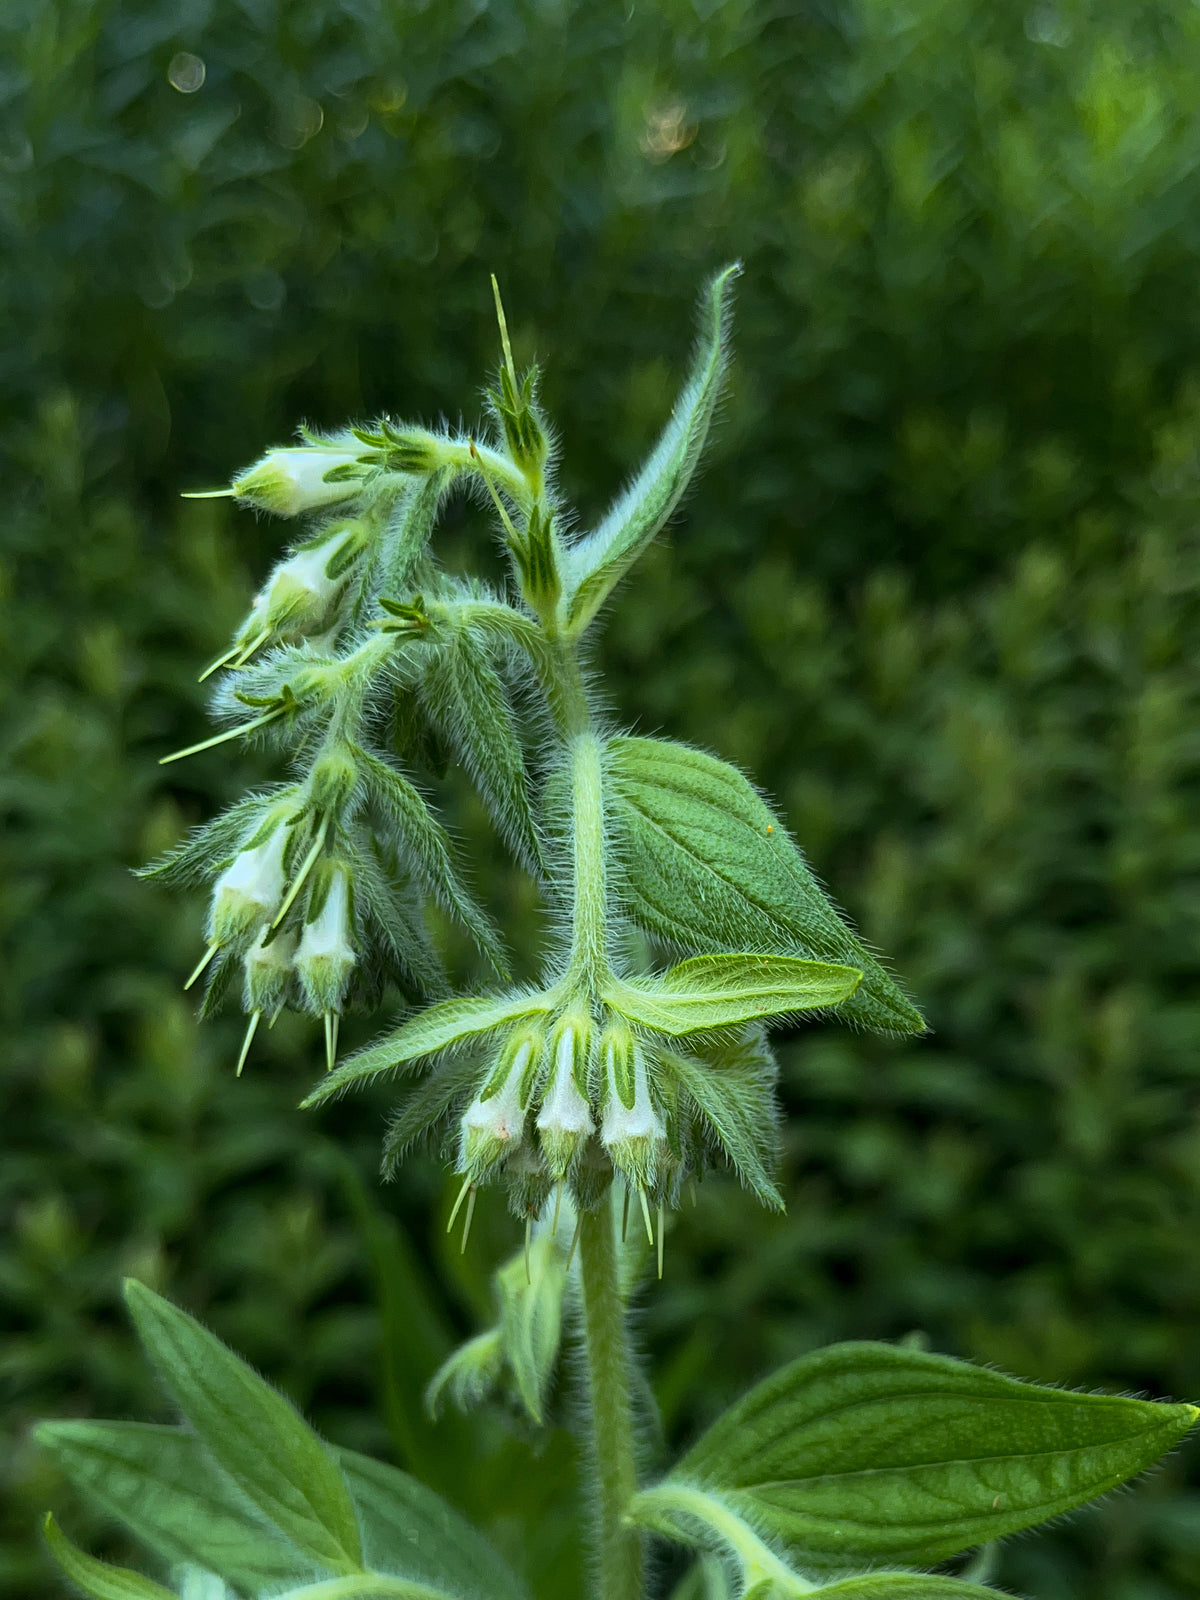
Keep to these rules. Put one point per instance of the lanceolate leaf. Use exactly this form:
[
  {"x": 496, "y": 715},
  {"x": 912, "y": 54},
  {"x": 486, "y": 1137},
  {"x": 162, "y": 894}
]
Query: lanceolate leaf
[
  {"x": 466, "y": 701},
  {"x": 737, "y": 1104},
  {"x": 597, "y": 563},
  {"x": 167, "y": 1490},
  {"x": 867, "y": 1453},
  {"x": 256, "y": 1436},
  {"x": 97, "y": 1578},
  {"x": 440, "y": 1027},
  {"x": 721, "y": 991},
  {"x": 429, "y": 845},
  {"x": 412, "y": 1532},
  {"x": 423, "y": 1112},
  {"x": 709, "y": 866}
]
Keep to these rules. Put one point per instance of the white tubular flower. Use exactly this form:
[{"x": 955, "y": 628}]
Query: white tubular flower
[
  {"x": 632, "y": 1131},
  {"x": 565, "y": 1120},
  {"x": 299, "y": 594},
  {"x": 493, "y": 1125},
  {"x": 248, "y": 893},
  {"x": 289, "y": 482},
  {"x": 325, "y": 957}
]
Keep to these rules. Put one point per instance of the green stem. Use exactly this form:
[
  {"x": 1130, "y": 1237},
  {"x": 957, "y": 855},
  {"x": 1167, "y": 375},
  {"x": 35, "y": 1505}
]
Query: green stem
[
  {"x": 759, "y": 1563},
  {"x": 589, "y": 915},
  {"x": 610, "y": 1407}
]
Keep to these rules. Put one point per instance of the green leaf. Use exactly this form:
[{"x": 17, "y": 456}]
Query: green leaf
[
  {"x": 429, "y": 846},
  {"x": 737, "y": 1104},
  {"x": 598, "y": 562},
  {"x": 904, "y": 1586},
  {"x": 868, "y": 1452},
  {"x": 412, "y": 1532},
  {"x": 722, "y": 991},
  {"x": 531, "y": 1296},
  {"x": 709, "y": 866},
  {"x": 439, "y": 1027},
  {"x": 97, "y": 1578},
  {"x": 466, "y": 701},
  {"x": 469, "y": 1374},
  {"x": 253, "y": 1433},
  {"x": 167, "y": 1490}
]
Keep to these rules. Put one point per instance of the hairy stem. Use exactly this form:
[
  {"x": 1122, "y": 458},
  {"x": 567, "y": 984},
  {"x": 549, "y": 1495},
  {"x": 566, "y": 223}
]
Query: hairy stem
[
  {"x": 589, "y": 917},
  {"x": 610, "y": 1408}
]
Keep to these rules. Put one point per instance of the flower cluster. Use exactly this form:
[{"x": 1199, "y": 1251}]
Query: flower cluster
[{"x": 366, "y": 666}]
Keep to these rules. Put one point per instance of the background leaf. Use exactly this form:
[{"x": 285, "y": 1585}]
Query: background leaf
[
  {"x": 253, "y": 1433},
  {"x": 413, "y": 1533},
  {"x": 169, "y": 1492},
  {"x": 868, "y": 1452}
]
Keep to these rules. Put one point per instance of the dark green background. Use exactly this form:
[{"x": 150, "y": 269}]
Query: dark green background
[{"x": 938, "y": 589}]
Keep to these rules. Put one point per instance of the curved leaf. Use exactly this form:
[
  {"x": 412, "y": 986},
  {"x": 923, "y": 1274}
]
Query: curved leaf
[
  {"x": 722, "y": 991},
  {"x": 597, "y": 563},
  {"x": 97, "y": 1578}
]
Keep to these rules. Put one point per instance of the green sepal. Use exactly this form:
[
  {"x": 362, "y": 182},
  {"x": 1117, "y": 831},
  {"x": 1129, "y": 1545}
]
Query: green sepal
[
  {"x": 465, "y": 699},
  {"x": 737, "y": 1106},
  {"x": 863, "y": 1453},
  {"x": 403, "y": 808},
  {"x": 440, "y": 1027},
  {"x": 167, "y": 1490},
  {"x": 709, "y": 866},
  {"x": 596, "y": 564},
  {"x": 724, "y": 991},
  {"x": 451, "y": 1083},
  {"x": 97, "y": 1578},
  {"x": 256, "y": 1436}
]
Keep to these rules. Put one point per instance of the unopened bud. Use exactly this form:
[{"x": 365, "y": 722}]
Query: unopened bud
[
  {"x": 288, "y": 482},
  {"x": 565, "y": 1120},
  {"x": 493, "y": 1125},
  {"x": 325, "y": 957},
  {"x": 268, "y": 969},
  {"x": 332, "y": 780},
  {"x": 248, "y": 892},
  {"x": 632, "y": 1131}
]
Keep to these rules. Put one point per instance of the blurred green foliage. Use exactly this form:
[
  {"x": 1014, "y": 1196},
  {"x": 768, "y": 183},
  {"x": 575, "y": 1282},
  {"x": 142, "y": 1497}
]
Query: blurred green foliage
[{"x": 938, "y": 590}]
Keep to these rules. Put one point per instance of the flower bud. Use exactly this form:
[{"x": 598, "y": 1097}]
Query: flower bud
[
  {"x": 290, "y": 481},
  {"x": 493, "y": 1125},
  {"x": 249, "y": 891},
  {"x": 565, "y": 1120},
  {"x": 332, "y": 780},
  {"x": 267, "y": 972},
  {"x": 632, "y": 1131},
  {"x": 299, "y": 595},
  {"x": 325, "y": 957}
]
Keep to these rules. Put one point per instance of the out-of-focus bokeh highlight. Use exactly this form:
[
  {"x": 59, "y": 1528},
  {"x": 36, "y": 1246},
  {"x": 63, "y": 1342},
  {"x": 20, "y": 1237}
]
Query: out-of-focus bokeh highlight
[{"x": 938, "y": 589}]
